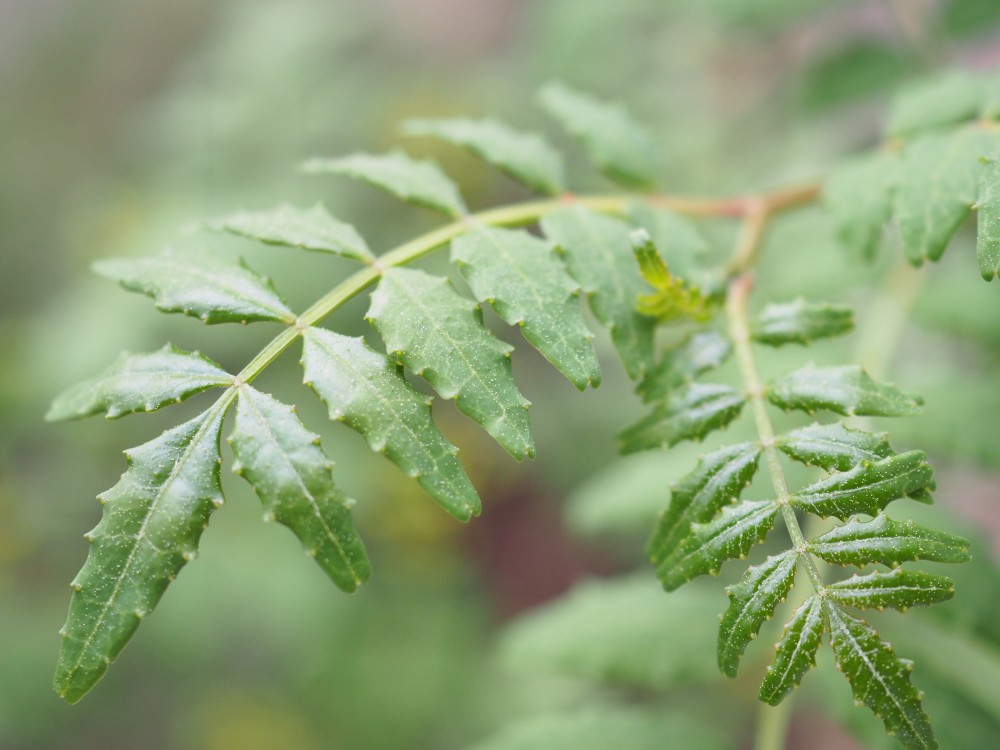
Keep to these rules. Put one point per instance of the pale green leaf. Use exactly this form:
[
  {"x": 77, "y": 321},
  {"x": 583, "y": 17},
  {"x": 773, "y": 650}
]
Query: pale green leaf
[
  {"x": 795, "y": 652},
  {"x": 943, "y": 100},
  {"x": 694, "y": 356},
  {"x": 290, "y": 226},
  {"x": 205, "y": 287},
  {"x": 439, "y": 335},
  {"x": 888, "y": 542},
  {"x": 717, "y": 480},
  {"x": 689, "y": 413},
  {"x": 616, "y": 143},
  {"x": 857, "y": 195},
  {"x": 153, "y": 519},
  {"x": 898, "y": 588},
  {"x": 988, "y": 206},
  {"x": 141, "y": 382},
  {"x": 800, "y": 322},
  {"x": 879, "y": 679},
  {"x": 419, "y": 182},
  {"x": 752, "y": 602},
  {"x": 846, "y": 389},
  {"x": 676, "y": 237},
  {"x": 672, "y": 297},
  {"x": 284, "y": 463},
  {"x": 369, "y": 394},
  {"x": 868, "y": 487},
  {"x": 527, "y": 285},
  {"x": 599, "y": 255},
  {"x": 526, "y": 157}
]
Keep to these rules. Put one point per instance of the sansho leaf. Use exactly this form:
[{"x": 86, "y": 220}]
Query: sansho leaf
[
  {"x": 599, "y": 255},
  {"x": 414, "y": 181},
  {"x": 526, "y": 157},
  {"x": 674, "y": 235},
  {"x": 887, "y": 542},
  {"x": 290, "y": 226},
  {"x": 369, "y": 394},
  {"x": 694, "y": 356},
  {"x": 527, "y": 285},
  {"x": 284, "y": 463},
  {"x": 896, "y": 588},
  {"x": 800, "y": 322},
  {"x": 751, "y": 602},
  {"x": 879, "y": 679},
  {"x": 867, "y": 488},
  {"x": 988, "y": 206},
  {"x": 689, "y": 413},
  {"x": 153, "y": 519},
  {"x": 202, "y": 286},
  {"x": 939, "y": 101},
  {"x": 717, "y": 480},
  {"x": 140, "y": 382},
  {"x": 795, "y": 652},
  {"x": 616, "y": 143},
  {"x": 857, "y": 195},
  {"x": 439, "y": 335},
  {"x": 845, "y": 389}
]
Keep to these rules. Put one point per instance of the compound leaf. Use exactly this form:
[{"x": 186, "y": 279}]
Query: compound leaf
[
  {"x": 845, "y": 389},
  {"x": 689, "y": 413},
  {"x": 153, "y": 519},
  {"x": 526, "y": 284},
  {"x": 369, "y": 393},
  {"x": 290, "y": 226},
  {"x": 857, "y": 195},
  {"x": 526, "y": 157},
  {"x": 868, "y": 487},
  {"x": 988, "y": 205},
  {"x": 214, "y": 290},
  {"x": 898, "y": 588},
  {"x": 801, "y": 322},
  {"x": 888, "y": 542},
  {"x": 795, "y": 652},
  {"x": 751, "y": 602},
  {"x": 879, "y": 679},
  {"x": 599, "y": 255},
  {"x": 140, "y": 382},
  {"x": 616, "y": 143},
  {"x": 284, "y": 463},
  {"x": 717, "y": 480},
  {"x": 439, "y": 335},
  {"x": 694, "y": 356},
  {"x": 936, "y": 102}
]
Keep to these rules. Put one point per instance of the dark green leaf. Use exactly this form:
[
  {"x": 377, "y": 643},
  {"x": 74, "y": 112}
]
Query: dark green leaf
[
  {"x": 796, "y": 652},
  {"x": 988, "y": 205},
  {"x": 751, "y": 602},
  {"x": 898, "y": 588},
  {"x": 527, "y": 285},
  {"x": 526, "y": 157},
  {"x": 288, "y": 469},
  {"x": 834, "y": 447},
  {"x": 882, "y": 540},
  {"x": 439, "y": 335},
  {"x": 689, "y": 413},
  {"x": 694, "y": 356},
  {"x": 369, "y": 394},
  {"x": 943, "y": 100},
  {"x": 153, "y": 519},
  {"x": 846, "y": 389},
  {"x": 201, "y": 286},
  {"x": 801, "y": 322},
  {"x": 141, "y": 382},
  {"x": 857, "y": 195}
]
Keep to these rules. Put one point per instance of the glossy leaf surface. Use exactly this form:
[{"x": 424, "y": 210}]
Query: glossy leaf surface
[
  {"x": 800, "y": 322},
  {"x": 898, "y": 589},
  {"x": 845, "y": 389},
  {"x": 795, "y": 652},
  {"x": 887, "y": 542},
  {"x": 689, "y": 413}
]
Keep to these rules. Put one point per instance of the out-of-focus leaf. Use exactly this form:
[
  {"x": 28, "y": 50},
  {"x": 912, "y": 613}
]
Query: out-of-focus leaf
[
  {"x": 936, "y": 102},
  {"x": 673, "y": 297},
  {"x": 988, "y": 205},
  {"x": 675, "y": 236},
  {"x": 800, "y": 322},
  {"x": 695, "y": 356},
  {"x": 857, "y": 195},
  {"x": 689, "y": 413},
  {"x": 845, "y": 389}
]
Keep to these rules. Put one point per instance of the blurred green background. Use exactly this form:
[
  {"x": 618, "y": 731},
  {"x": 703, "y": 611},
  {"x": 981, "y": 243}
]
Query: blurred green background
[{"x": 123, "y": 122}]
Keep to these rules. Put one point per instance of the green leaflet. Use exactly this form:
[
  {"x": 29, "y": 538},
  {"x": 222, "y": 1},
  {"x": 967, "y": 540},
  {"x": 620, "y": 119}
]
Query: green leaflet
[
  {"x": 846, "y": 389},
  {"x": 676, "y": 237},
  {"x": 140, "y": 382},
  {"x": 730, "y": 535},
  {"x": 888, "y": 542},
  {"x": 153, "y": 519},
  {"x": 202, "y": 286},
  {"x": 419, "y": 182},
  {"x": 439, "y": 335},
  {"x": 526, "y": 157},
  {"x": 857, "y": 195},
  {"x": 868, "y": 487},
  {"x": 689, "y": 413},
  {"x": 599, "y": 255},
  {"x": 672, "y": 296},
  {"x": 896, "y": 588},
  {"x": 616, "y": 143},
  {"x": 946, "y": 99},
  {"x": 694, "y": 356},
  {"x": 879, "y": 679},
  {"x": 751, "y": 602},
  {"x": 937, "y": 184},
  {"x": 284, "y": 463},
  {"x": 527, "y": 285},
  {"x": 800, "y": 322},
  {"x": 795, "y": 652},
  {"x": 306, "y": 228},
  {"x": 988, "y": 205},
  {"x": 717, "y": 480},
  {"x": 369, "y": 394}
]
